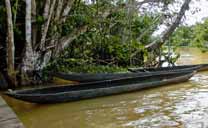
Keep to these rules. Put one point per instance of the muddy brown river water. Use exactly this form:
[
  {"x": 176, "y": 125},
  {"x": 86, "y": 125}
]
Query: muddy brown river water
[{"x": 182, "y": 105}]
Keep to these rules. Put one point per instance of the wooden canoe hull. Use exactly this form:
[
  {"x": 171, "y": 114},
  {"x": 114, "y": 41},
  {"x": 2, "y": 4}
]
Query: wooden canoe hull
[
  {"x": 87, "y": 77},
  {"x": 97, "y": 89}
]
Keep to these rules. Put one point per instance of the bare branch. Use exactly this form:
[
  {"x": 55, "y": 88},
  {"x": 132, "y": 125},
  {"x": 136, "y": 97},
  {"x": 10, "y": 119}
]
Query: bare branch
[
  {"x": 58, "y": 10},
  {"x": 46, "y": 9},
  {"x": 67, "y": 9},
  {"x": 148, "y": 1},
  {"x": 46, "y": 26}
]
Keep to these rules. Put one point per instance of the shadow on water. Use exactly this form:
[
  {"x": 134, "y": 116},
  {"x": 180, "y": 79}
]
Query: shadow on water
[{"x": 181, "y": 105}]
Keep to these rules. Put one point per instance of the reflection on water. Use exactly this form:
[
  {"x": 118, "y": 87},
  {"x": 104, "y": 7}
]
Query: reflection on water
[{"x": 183, "y": 105}]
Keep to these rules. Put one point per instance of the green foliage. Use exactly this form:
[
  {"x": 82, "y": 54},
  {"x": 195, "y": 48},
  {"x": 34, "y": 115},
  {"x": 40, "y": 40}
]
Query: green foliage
[
  {"x": 109, "y": 42},
  {"x": 103, "y": 45},
  {"x": 39, "y": 20},
  {"x": 81, "y": 65},
  {"x": 201, "y": 35},
  {"x": 98, "y": 69},
  {"x": 182, "y": 37},
  {"x": 194, "y": 36}
]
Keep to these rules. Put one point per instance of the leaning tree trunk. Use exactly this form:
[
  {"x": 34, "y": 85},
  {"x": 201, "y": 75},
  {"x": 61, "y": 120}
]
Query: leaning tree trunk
[
  {"x": 10, "y": 45},
  {"x": 155, "y": 47},
  {"x": 171, "y": 29}
]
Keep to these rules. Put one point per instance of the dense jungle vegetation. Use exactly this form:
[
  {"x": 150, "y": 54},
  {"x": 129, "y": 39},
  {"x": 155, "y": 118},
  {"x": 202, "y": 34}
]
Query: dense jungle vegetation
[
  {"x": 192, "y": 36},
  {"x": 89, "y": 35}
]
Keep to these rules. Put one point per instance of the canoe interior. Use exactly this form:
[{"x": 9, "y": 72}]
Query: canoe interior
[
  {"x": 87, "y": 77},
  {"x": 152, "y": 69},
  {"x": 103, "y": 84}
]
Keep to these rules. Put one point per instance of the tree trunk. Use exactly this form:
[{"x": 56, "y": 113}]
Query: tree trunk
[
  {"x": 58, "y": 10},
  {"x": 67, "y": 9},
  {"x": 46, "y": 9},
  {"x": 28, "y": 59},
  {"x": 34, "y": 26},
  {"x": 10, "y": 45}
]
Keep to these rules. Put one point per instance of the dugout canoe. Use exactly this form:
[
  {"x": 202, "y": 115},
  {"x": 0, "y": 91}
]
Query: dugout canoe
[
  {"x": 82, "y": 91},
  {"x": 89, "y": 77},
  {"x": 200, "y": 67}
]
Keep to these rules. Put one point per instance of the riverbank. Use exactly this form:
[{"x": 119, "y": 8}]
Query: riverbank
[{"x": 8, "y": 118}]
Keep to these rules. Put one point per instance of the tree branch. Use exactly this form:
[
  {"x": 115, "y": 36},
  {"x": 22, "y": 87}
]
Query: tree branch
[
  {"x": 46, "y": 9},
  {"x": 67, "y": 9},
  {"x": 46, "y": 26},
  {"x": 58, "y": 10},
  {"x": 148, "y": 1},
  {"x": 65, "y": 41}
]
